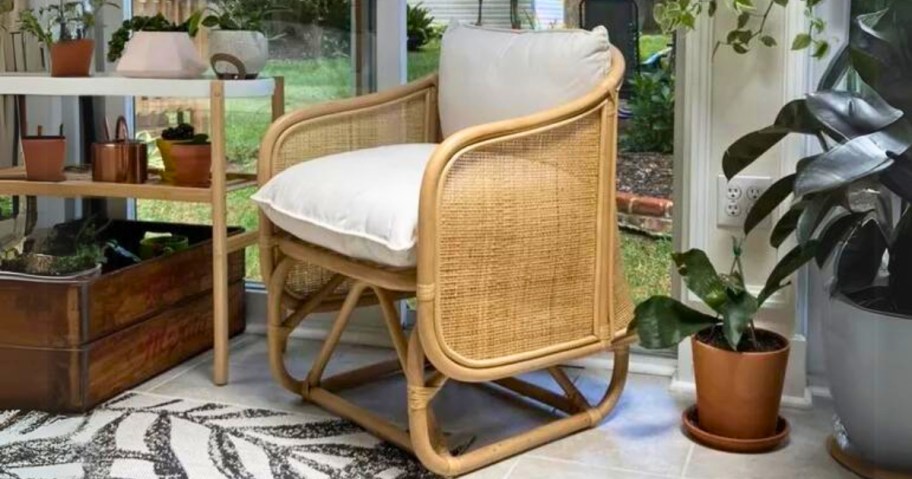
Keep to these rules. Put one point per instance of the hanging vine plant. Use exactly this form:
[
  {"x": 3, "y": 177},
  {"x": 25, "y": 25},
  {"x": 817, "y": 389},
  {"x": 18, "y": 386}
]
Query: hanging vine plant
[{"x": 750, "y": 26}]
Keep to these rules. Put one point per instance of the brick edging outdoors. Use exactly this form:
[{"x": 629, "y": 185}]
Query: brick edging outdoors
[{"x": 645, "y": 213}]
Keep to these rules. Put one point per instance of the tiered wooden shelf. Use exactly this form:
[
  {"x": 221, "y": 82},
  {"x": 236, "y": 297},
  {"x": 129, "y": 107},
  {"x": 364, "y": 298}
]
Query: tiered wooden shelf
[{"x": 80, "y": 184}]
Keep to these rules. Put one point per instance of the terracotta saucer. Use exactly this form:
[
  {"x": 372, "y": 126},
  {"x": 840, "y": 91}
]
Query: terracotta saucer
[{"x": 691, "y": 425}]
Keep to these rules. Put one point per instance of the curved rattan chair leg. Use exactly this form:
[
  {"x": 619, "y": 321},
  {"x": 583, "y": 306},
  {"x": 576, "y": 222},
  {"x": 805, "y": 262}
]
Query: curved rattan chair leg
[
  {"x": 426, "y": 441},
  {"x": 277, "y": 331},
  {"x": 615, "y": 388}
]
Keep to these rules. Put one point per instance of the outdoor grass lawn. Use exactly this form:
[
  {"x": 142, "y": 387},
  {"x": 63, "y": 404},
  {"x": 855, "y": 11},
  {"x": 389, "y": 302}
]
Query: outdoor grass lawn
[
  {"x": 6, "y": 206},
  {"x": 647, "y": 265}
]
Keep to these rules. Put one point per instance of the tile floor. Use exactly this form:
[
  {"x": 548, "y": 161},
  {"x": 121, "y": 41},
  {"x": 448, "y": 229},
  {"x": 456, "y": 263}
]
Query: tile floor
[{"x": 641, "y": 439}]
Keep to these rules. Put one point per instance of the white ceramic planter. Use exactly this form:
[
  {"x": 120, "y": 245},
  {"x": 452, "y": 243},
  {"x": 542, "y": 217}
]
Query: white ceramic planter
[
  {"x": 869, "y": 366},
  {"x": 161, "y": 55},
  {"x": 249, "y": 47}
]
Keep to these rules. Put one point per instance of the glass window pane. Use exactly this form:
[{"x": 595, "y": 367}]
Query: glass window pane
[{"x": 310, "y": 46}]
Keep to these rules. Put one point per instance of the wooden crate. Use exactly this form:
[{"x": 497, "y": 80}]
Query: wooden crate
[{"x": 65, "y": 347}]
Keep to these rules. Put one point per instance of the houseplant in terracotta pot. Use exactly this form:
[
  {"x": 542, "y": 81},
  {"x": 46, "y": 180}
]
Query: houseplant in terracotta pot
[
  {"x": 64, "y": 28},
  {"x": 852, "y": 198},
  {"x": 740, "y": 369},
  {"x": 192, "y": 161},
  {"x": 238, "y": 32},
  {"x": 155, "y": 47}
]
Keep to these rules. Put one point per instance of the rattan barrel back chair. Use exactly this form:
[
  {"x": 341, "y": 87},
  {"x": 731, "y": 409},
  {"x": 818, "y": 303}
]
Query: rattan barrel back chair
[{"x": 516, "y": 266}]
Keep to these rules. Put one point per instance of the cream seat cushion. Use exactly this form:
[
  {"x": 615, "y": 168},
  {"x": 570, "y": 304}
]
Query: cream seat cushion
[
  {"x": 489, "y": 75},
  {"x": 362, "y": 204}
]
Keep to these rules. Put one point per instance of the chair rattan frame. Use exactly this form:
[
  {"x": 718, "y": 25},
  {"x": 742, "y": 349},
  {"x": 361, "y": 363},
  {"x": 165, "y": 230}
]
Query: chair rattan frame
[{"x": 568, "y": 186}]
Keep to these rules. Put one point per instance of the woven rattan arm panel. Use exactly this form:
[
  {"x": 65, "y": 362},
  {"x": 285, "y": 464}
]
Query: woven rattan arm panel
[{"x": 517, "y": 242}]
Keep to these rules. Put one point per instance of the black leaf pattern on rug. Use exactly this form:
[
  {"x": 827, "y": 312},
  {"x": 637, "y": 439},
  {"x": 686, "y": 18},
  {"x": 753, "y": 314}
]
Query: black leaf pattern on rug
[{"x": 165, "y": 438}]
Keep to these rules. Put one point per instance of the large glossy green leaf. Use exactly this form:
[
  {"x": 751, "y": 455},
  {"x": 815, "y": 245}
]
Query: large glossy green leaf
[
  {"x": 836, "y": 69},
  {"x": 901, "y": 264},
  {"x": 835, "y": 232},
  {"x": 701, "y": 277},
  {"x": 846, "y": 115},
  {"x": 786, "y": 225},
  {"x": 793, "y": 118},
  {"x": 816, "y": 212},
  {"x": 737, "y": 315},
  {"x": 796, "y": 258},
  {"x": 858, "y": 158},
  {"x": 861, "y": 258},
  {"x": 898, "y": 178},
  {"x": 663, "y": 322},
  {"x": 879, "y": 51},
  {"x": 769, "y": 201}
]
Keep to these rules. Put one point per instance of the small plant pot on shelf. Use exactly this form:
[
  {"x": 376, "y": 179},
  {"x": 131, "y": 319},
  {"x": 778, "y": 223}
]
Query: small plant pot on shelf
[
  {"x": 44, "y": 157},
  {"x": 161, "y": 55},
  {"x": 72, "y": 58},
  {"x": 739, "y": 393},
  {"x": 192, "y": 164},
  {"x": 249, "y": 48}
]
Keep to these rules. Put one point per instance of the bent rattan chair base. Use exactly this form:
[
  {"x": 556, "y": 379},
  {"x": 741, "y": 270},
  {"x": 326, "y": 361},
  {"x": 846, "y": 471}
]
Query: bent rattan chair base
[{"x": 423, "y": 438}]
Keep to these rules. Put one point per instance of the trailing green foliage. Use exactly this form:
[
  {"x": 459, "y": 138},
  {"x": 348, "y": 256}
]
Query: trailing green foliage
[
  {"x": 751, "y": 24},
  {"x": 158, "y": 23},
  {"x": 62, "y": 21},
  {"x": 240, "y": 14},
  {"x": 186, "y": 134},
  {"x": 652, "y": 104},
  {"x": 843, "y": 193},
  {"x": 420, "y": 26}
]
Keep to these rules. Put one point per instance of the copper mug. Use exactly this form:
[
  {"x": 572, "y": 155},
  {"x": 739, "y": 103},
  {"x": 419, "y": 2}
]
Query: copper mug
[{"x": 120, "y": 160}]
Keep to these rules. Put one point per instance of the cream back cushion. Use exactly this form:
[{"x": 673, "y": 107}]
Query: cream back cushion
[{"x": 489, "y": 75}]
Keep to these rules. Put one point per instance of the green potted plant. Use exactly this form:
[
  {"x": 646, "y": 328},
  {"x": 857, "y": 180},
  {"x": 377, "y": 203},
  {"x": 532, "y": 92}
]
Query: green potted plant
[
  {"x": 420, "y": 29},
  {"x": 852, "y": 199},
  {"x": 238, "y": 36},
  {"x": 187, "y": 156},
  {"x": 64, "y": 28},
  {"x": 63, "y": 254},
  {"x": 155, "y": 47},
  {"x": 739, "y": 368}
]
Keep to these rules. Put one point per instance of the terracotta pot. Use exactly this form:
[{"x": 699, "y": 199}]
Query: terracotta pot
[
  {"x": 738, "y": 394},
  {"x": 192, "y": 164},
  {"x": 72, "y": 58},
  {"x": 44, "y": 157}
]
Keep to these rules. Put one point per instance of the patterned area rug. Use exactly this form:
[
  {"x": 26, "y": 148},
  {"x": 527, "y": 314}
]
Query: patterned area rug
[{"x": 141, "y": 436}]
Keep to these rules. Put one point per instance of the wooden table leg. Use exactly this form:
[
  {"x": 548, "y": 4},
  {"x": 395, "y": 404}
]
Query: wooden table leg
[{"x": 219, "y": 236}]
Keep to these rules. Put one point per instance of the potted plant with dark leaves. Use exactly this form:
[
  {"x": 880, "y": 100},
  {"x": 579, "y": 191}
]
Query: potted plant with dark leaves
[
  {"x": 155, "y": 47},
  {"x": 238, "y": 46},
  {"x": 187, "y": 156},
  {"x": 739, "y": 368},
  {"x": 852, "y": 199},
  {"x": 65, "y": 28}
]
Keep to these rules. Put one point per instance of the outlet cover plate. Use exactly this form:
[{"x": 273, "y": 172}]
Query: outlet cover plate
[{"x": 737, "y": 197}]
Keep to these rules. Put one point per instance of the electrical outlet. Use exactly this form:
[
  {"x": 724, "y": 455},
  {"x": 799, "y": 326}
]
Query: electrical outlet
[{"x": 737, "y": 197}]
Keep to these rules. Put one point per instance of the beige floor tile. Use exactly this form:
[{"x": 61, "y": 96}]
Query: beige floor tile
[
  {"x": 543, "y": 468},
  {"x": 496, "y": 471},
  {"x": 804, "y": 456},
  {"x": 642, "y": 434}
]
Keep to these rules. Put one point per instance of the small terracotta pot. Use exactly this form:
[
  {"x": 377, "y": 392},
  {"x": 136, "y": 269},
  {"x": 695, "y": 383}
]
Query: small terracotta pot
[
  {"x": 44, "y": 157},
  {"x": 72, "y": 58},
  {"x": 192, "y": 164},
  {"x": 738, "y": 394}
]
